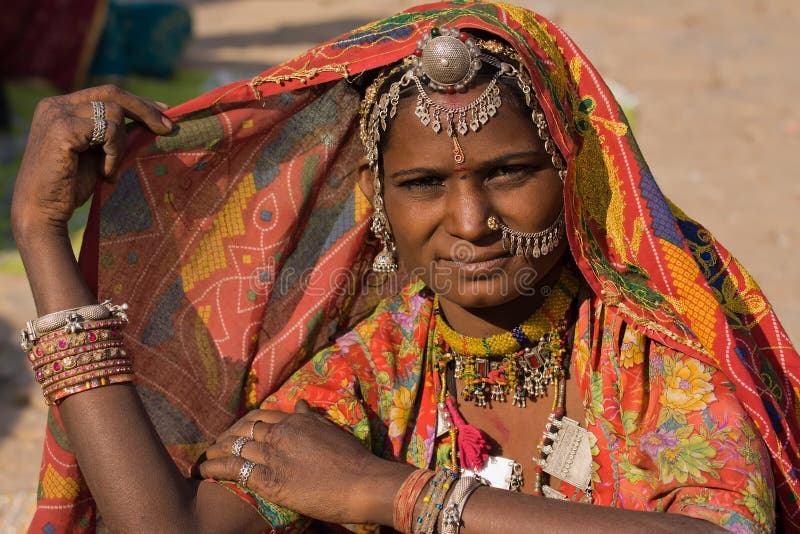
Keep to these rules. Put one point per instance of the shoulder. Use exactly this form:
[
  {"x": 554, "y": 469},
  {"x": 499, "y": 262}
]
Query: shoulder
[{"x": 397, "y": 317}]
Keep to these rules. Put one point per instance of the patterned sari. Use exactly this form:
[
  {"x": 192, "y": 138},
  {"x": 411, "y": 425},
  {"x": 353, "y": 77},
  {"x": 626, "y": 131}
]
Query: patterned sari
[{"x": 239, "y": 239}]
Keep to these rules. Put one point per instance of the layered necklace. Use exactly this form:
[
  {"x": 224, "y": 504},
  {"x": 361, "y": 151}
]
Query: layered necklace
[{"x": 519, "y": 364}]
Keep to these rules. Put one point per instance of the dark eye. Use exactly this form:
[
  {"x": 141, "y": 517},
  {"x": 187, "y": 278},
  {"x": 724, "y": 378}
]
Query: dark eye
[
  {"x": 512, "y": 173},
  {"x": 422, "y": 183}
]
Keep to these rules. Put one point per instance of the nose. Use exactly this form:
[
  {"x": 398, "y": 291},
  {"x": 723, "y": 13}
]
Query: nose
[{"x": 467, "y": 209}]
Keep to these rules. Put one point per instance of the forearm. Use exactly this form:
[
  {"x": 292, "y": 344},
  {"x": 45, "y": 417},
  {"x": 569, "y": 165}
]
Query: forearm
[
  {"x": 499, "y": 511},
  {"x": 131, "y": 476}
]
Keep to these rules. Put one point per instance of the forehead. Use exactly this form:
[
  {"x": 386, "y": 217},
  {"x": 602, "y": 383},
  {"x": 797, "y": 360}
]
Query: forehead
[{"x": 409, "y": 143}]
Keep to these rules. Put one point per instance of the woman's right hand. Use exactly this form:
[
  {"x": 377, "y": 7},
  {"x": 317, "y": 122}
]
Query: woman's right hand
[{"x": 60, "y": 167}]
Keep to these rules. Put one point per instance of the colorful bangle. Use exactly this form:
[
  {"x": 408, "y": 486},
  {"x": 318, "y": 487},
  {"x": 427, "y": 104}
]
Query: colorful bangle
[
  {"x": 78, "y": 349},
  {"x": 58, "y": 341},
  {"x": 433, "y": 502},
  {"x": 68, "y": 359},
  {"x": 83, "y": 369},
  {"x": 76, "y": 384},
  {"x": 91, "y": 375},
  {"x": 56, "y": 395},
  {"x": 406, "y": 498}
]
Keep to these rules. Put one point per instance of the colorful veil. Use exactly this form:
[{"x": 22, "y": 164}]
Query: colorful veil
[{"x": 240, "y": 243}]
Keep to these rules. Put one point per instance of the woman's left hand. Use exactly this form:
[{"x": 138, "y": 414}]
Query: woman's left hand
[{"x": 306, "y": 463}]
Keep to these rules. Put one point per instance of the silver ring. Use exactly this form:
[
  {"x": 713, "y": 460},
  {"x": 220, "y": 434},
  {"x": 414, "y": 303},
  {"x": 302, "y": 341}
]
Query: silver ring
[
  {"x": 100, "y": 123},
  {"x": 253, "y": 430},
  {"x": 244, "y": 473},
  {"x": 238, "y": 445}
]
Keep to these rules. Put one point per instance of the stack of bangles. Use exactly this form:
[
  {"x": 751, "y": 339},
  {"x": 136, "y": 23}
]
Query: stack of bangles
[
  {"x": 442, "y": 496},
  {"x": 78, "y": 349}
]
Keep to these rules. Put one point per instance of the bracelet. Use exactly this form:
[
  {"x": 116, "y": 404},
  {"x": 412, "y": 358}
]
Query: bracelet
[
  {"x": 107, "y": 330},
  {"x": 451, "y": 522},
  {"x": 57, "y": 395},
  {"x": 83, "y": 382},
  {"x": 71, "y": 320},
  {"x": 406, "y": 498},
  {"x": 83, "y": 369},
  {"x": 79, "y": 356},
  {"x": 78, "y": 349},
  {"x": 88, "y": 376},
  {"x": 433, "y": 502}
]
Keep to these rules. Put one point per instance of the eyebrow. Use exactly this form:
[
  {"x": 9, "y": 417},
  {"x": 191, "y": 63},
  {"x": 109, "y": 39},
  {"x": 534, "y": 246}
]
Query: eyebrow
[{"x": 488, "y": 164}]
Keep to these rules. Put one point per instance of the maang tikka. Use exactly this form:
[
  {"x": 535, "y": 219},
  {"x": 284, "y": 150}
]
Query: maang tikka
[{"x": 446, "y": 61}]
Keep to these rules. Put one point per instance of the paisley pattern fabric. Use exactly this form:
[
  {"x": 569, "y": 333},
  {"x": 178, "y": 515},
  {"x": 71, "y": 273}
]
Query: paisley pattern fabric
[
  {"x": 668, "y": 432},
  {"x": 238, "y": 241}
]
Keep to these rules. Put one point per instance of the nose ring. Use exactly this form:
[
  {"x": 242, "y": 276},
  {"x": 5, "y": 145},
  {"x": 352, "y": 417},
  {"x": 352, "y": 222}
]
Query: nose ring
[{"x": 529, "y": 244}]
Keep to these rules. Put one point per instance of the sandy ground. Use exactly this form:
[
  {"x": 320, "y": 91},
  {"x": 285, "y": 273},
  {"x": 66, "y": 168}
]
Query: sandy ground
[{"x": 717, "y": 119}]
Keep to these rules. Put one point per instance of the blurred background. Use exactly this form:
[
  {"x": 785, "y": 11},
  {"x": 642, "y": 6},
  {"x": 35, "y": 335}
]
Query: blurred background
[{"x": 711, "y": 88}]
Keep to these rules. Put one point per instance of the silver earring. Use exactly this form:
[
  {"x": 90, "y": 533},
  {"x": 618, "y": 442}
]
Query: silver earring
[
  {"x": 530, "y": 244},
  {"x": 386, "y": 260}
]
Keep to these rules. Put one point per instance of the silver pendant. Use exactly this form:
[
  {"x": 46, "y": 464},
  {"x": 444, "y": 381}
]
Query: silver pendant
[{"x": 569, "y": 457}]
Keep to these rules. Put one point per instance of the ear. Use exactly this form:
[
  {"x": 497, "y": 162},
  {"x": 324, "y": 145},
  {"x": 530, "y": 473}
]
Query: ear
[{"x": 366, "y": 179}]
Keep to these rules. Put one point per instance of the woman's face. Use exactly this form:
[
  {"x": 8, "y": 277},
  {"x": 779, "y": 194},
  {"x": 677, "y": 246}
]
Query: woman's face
[{"x": 438, "y": 209}]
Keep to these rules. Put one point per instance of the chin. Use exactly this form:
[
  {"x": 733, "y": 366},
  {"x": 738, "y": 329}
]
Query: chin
[{"x": 477, "y": 294}]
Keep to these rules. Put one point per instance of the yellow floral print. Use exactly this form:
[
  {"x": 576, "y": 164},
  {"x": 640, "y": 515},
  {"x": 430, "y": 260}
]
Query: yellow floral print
[
  {"x": 687, "y": 387},
  {"x": 402, "y": 402},
  {"x": 758, "y": 497},
  {"x": 632, "y": 349}
]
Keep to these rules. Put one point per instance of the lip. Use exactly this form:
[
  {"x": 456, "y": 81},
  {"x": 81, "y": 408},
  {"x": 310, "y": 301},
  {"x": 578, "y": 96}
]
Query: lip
[{"x": 478, "y": 265}]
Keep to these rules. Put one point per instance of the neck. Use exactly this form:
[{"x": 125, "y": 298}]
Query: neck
[{"x": 491, "y": 320}]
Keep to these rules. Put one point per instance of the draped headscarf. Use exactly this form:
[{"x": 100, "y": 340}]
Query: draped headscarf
[{"x": 240, "y": 242}]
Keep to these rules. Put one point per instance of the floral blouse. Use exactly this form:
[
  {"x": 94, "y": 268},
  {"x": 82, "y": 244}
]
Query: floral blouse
[{"x": 669, "y": 434}]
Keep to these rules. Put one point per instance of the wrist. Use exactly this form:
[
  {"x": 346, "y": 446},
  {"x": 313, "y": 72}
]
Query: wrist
[
  {"x": 34, "y": 231},
  {"x": 376, "y": 504}
]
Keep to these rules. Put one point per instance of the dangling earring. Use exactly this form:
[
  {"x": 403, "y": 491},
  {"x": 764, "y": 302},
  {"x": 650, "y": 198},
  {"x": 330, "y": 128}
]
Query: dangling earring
[{"x": 386, "y": 260}]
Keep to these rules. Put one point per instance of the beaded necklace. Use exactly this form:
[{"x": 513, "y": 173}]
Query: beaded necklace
[
  {"x": 526, "y": 370},
  {"x": 519, "y": 363}
]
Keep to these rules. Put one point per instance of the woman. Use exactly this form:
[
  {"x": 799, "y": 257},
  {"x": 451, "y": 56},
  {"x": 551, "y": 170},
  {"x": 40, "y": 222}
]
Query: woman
[{"x": 642, "y": 328}]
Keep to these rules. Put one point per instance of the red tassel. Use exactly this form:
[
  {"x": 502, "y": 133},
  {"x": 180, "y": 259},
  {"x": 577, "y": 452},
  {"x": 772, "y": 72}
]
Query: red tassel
[{"x": 473, "y": 449}]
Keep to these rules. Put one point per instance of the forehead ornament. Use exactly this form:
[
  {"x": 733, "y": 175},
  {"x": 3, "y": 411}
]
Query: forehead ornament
[{"x": 445, "y": 61}]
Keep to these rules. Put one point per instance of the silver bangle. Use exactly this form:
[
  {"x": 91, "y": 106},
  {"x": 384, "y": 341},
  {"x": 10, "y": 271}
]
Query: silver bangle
[
  {"x": 452, "y": 511},
  {"x": 71, "y": 320}
]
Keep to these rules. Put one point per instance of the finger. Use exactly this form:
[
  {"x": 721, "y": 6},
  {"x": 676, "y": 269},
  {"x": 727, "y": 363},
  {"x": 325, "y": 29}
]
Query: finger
[
  {"x": 114, "y": 145},
  {"x": 263, "y": 480},
  {"x": 243, "y": 426},
  {"x": 135, "y": 107},
  {"x": 260, "y": 441},
  {"x": 265, "y": 416},
  {"x": 224, "y": 447},
  {"x": 224, "y": 468},
  {"x": 302, "y": 406}
]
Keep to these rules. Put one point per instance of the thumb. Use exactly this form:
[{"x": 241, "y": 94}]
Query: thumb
[{"x": 302, "y": 406}]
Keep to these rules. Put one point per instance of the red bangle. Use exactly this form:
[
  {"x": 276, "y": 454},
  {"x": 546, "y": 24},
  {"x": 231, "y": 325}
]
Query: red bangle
[
  {"x": 406, "y": 498},
  {"x": 84, "y": 369},
  {"x": 56, "y": 395}
]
